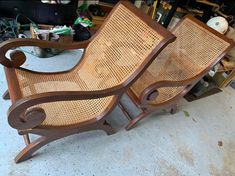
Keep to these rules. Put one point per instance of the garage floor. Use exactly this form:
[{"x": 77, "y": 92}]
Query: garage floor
[{"x": 198, "y": 140}]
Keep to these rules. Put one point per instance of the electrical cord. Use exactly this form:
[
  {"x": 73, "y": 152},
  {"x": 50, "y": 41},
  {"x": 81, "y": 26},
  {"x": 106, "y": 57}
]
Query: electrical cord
[
  {"x": 9, "y": 26},
  {"x": 33, "y": 23}
]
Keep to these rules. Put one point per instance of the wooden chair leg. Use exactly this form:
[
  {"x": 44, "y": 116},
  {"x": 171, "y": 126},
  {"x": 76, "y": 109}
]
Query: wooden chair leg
[
  {"x": 26, "y": 139},
  {"x": 135, "y": 120},
  {"x": 6, "y": 95},
  {"x": 28, "y": 151},
  {"x": 32, "y": 147},
  {"x": 107, "y": 128},
  {"x": 173, "y": 109},
  {"x": 127, "y": 115}
]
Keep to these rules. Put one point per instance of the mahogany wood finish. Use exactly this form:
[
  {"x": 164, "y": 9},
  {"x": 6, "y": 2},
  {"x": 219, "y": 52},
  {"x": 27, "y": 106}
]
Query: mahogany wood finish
[
  {"x": 29, "y": 121},
  {"x": 144, "y": 102}
]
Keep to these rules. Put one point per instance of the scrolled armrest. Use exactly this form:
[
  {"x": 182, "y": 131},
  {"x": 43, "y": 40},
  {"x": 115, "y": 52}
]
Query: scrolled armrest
[
  {"x": 19, "y": 118},
  {"x": 151, "y": 92},
  {"x": 17, "y": 58}
]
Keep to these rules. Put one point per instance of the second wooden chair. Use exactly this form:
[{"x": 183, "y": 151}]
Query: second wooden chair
[{"x": 177, "y": 68}]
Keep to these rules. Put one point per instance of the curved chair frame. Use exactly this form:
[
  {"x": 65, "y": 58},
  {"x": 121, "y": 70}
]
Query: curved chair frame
[
  {"x": 150, "y": 93},
  {"x": 29, "y": 121}
]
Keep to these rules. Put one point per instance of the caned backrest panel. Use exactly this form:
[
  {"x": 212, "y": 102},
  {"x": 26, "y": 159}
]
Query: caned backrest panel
[
  {"x": 194, "y": 50},
  {"x": 119, "y": 49},
  {"x": 114, "y": 54}
]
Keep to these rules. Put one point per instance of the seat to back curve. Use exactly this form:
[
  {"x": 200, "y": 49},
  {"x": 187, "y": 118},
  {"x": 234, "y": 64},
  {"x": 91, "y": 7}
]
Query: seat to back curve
[{"x": 196, "y": 49}]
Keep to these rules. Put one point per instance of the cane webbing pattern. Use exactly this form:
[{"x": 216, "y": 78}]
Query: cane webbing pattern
[
  {"x": 194, "y": 50},
  {"x": 73, "y": 112},
  {"x": 120, "y": 48}
]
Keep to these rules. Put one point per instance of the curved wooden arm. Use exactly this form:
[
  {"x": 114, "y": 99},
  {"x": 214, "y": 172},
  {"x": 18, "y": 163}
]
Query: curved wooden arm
[
  {"x": 20, "y": 119},
  {"x": 151, "y": 92},
  {"x": 18, "y": 58}
]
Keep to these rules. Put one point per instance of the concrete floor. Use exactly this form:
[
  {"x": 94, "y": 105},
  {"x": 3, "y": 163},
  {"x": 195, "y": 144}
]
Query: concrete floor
[{"x": 202, "y": 143}]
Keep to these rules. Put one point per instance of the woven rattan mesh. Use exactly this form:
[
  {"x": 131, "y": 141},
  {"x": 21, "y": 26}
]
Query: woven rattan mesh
[
  {"x": 73, "y": 112},
  {"x": 110, "y": 59},
  {"x": 194, "y": 50}
]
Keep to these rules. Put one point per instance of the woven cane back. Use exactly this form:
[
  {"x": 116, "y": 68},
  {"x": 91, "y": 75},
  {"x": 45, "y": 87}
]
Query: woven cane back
[
  {"x": 110, "y": 59},
  {"x": 194, "y": 50}
]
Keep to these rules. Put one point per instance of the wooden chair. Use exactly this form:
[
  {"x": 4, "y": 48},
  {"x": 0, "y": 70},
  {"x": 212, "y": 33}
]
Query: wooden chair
[
  {"x": 55, "y": 105},
  {"x": 177, "y": 68}
]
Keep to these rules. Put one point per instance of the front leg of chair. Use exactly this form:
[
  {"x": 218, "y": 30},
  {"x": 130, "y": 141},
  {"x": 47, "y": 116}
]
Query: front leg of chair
[
  {"x": 32, "y": 147},
  {"x": 28, "y": 151},
  {"x": 26, "y": 139},
  {"x": 6, "y": 95},
  {"x": 108, "y": 129},
  {"x": 174, "y": 108},
  {"x": 133, "y": 122}
]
